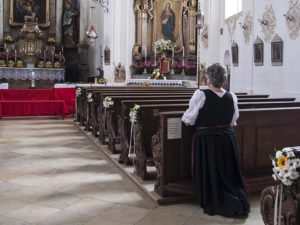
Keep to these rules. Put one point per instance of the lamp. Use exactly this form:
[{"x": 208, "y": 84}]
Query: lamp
[
  {"x": 243, "y": 26},
  {"x": 104, "y": 4},
  {"x": 91, "y": 33},
  {"x": 227, "y": 64},
  {"x": 289, "y": 17},
  {"x": 199, "y": 26},
  {"x": 263, "y": 22}
]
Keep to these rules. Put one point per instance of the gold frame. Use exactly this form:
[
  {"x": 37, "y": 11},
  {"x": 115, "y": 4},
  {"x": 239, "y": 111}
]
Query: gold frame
[
  {"x": 11, "y": 15},
  {"x": 159, "y": 6}
]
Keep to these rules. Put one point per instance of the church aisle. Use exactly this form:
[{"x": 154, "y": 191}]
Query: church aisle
[{"x": 51, "y": 174}]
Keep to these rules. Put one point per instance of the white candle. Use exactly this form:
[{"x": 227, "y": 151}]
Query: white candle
[
  {"x": 62, "y": 48},
  {"x": 32, "y": 79},
  {"x": 155, "y": 56},
  {"x": 5, "y": 46},
  {"x": 183, "y": 51},
  {"x": 172, "y": 56},
  {"x": 145, "y": 52},
  {"x": 13, "y": 47}
]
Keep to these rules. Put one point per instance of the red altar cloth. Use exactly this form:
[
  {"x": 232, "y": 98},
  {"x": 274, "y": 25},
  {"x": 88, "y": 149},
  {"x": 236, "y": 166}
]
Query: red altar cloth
[
  {"x": 68, "y": 95},
  {"x": 37, "y": 102},
  {"x": 32, "y": 108}
]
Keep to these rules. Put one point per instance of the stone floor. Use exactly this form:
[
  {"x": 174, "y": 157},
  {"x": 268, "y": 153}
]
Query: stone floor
[{"x": 50, "y": 173}]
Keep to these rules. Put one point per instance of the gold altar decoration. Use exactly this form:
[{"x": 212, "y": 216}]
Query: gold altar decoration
[
  {"x": 152, "y": 17},
  {"x": 25, "y": 11}
]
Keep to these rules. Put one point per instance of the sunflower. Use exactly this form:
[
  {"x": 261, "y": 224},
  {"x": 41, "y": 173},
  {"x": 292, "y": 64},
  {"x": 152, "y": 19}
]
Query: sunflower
[{"x": 281, "y": 161}]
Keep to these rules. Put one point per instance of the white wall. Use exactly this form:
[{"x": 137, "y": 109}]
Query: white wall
[
  {"x": 116, "y": 31},
  {"x": 275, "y": 80}
]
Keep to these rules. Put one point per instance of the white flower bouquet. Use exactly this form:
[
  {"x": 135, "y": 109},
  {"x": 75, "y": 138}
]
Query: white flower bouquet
[
  {"x": 90, "y": 97},
  {"x": 133, "y": 114},
  {"x": 78, "y": 92},
  {"x": 286, "y": 165},
  {"x": 157, "y": 75},
  {"x": 108, "y": 102},
  {"x": 164, "y": 45}
]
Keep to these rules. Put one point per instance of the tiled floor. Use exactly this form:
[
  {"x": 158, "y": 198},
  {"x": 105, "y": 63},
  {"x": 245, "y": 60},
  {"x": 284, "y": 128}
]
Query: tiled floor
[{"x": 50, "y": 173}]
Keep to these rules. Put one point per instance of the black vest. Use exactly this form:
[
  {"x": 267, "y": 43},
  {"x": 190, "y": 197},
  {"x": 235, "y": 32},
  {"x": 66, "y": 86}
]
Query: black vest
[{"x": 215, "y": 111}]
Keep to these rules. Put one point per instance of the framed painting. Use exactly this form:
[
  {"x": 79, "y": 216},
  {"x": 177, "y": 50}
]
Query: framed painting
[
  {"x": 277, "y": 51},
  {"x": 235, "y": 54},
  {"x": 258, "y": 52},
  {"x": 28, "y": 11},
  {"x": 167, "y": 22},
  {"x": 106, "y": 56}
]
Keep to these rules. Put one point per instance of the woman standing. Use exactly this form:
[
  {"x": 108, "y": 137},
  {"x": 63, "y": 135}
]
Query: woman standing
[{"x": 217, "y": 175}]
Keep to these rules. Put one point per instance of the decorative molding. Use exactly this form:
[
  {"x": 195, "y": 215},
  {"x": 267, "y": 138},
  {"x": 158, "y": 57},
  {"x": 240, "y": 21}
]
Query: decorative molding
[
  {"x": 293, "y": 19},
  {"x": 247, "y": 27},
  {"x": 204, "y": 36},
  {"x": 268, "y": 23},
  {"x": 231, "y": 24}
]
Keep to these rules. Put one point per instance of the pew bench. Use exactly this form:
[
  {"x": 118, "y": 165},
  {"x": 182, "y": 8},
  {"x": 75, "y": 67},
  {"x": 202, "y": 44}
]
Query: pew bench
[{"x": 258, "y": 133}]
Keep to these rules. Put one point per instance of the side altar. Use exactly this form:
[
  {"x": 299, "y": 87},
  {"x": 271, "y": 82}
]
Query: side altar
[{"x": 30, "y": 54}]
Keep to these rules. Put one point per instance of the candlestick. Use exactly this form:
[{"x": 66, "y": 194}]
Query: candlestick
[
  {"x": 7, "y": 54},
  {"x": 15, "y": 55},
  {"x": 44, "y": 55},
  {"x": 32, "y": 79},
  {"x": 155, "y": 56},
  {"x": 172, "y": 56}
]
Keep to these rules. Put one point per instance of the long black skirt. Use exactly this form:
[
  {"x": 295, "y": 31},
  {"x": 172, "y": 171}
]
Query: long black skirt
[{"x": 217, "y": 174}]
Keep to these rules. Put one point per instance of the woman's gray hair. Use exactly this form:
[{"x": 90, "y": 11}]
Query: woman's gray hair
[{"x": 216, "y": 74}]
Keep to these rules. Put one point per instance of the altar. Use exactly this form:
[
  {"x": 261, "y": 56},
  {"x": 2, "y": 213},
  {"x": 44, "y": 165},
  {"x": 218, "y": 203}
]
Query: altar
[{"x": 22, "y": 77}]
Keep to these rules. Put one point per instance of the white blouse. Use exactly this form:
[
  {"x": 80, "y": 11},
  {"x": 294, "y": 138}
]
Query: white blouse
[{"x": 196, "y": 103}]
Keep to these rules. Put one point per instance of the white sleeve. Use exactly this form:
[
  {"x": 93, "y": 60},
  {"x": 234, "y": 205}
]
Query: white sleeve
[
  {"x": 236, "y": 113},
  {"x": 197, "y": 101}
]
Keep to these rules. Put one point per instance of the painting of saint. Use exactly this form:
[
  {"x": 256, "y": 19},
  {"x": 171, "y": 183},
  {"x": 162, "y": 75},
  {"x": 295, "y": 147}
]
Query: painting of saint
[
  {"x": 29, "y": 10},
  {"x": 168, "y": 23}
]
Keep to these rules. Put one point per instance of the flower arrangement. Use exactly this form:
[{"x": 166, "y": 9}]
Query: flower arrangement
[
  {"x": 164, "y": 45},
  {"x": 51, "y": 41},
  {"x": 102, "y": 81},
  {"x": 146, "y": 84},
  {"x": 2, "y": 63},
  {"x": 10, "y": 63},
  {"x": 157, "y": 75},
  {"x": 78, "y": 92},
  {"x": 286, "y": 165},
  {"x": 108, "y": 102},
  {"x": 57, "y": 65},
  {"x": 20, "y": 64},
  {"x": 41, "y": 64},
  {"x": 90, "y": 97},
  {"x": 8, "y": 38},
  {"x": 49, "y": 64},
  {"x": 134, "y": 114}
]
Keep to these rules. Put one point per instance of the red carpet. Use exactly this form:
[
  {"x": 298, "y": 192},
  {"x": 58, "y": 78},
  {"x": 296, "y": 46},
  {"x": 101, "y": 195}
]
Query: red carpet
[{"x": 37, "y": 102}]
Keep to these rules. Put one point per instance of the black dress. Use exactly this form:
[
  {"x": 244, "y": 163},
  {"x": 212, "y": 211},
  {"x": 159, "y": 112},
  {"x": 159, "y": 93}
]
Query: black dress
[{"x": 217, "y": 174}]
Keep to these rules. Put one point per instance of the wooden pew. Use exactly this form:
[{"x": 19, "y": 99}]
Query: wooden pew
[
  {"x": 112, "y": 128},
  {"x": 258, "y": 133}
]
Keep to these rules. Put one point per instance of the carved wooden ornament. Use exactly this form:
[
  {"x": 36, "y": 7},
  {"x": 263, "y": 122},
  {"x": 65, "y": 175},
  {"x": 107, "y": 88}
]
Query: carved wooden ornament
[
  {"x": 231, "y": 24},
  {"x": 247, "y": 27}
]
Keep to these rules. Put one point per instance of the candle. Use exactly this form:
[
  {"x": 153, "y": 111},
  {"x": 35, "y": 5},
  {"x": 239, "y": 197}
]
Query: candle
[
  {"x": 32, "y": 79},
  {"x": 155, "y": 56},
  {"x": 145, "y": 52},
  {"x": 13, "y": 47},
  {"x": 62, "y": 48},
  {"x": 5, "y": 46},
  {"x": 172, "y": 56},
  {"x": 183, "y": 51},
  {"x": 15, "y": 55}
]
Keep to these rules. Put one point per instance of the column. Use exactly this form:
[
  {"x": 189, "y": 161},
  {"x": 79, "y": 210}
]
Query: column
[
  {"x": 59, "y": 14},
  {"x": 1, "y": 20}
]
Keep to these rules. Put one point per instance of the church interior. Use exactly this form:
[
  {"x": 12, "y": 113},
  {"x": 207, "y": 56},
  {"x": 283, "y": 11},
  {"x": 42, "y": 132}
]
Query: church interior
[{"x": 94, "y": 103}]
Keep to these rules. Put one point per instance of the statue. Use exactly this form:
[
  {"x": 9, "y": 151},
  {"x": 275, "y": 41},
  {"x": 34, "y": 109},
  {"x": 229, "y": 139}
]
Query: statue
[
  {"x": 164, "y": 64},
  {"x": 69, "y": 31},
  {"x": 120, "y": 73}
]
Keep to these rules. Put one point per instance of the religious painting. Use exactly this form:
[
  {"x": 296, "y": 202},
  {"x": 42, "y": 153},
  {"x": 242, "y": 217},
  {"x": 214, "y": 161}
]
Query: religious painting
[
  {"x": 235, "y": 54},
  {"x": 168, "y": 22},
  {"x": 258, "y": 52},
  {"x": 277, "y": 51},
  {"x": 29, "y": 11},
  {"x": 106, "y": 56}
]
